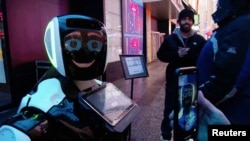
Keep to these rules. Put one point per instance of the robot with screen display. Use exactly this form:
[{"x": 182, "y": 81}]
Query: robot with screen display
[{"x": 77, "y": 49}]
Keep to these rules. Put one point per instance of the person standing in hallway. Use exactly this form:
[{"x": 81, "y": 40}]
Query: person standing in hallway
[{"x": 179, "y": 49}]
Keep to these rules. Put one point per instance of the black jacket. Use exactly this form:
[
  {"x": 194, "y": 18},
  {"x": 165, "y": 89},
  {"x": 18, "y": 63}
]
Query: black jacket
[
  {"x": 168, "y": 51},
  {"x": 230, "y": 44}
]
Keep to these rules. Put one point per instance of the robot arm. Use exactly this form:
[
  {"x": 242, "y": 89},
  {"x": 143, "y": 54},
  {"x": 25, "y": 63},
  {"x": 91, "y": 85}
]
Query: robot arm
[
  {"x": 31, "y": 120},
  {"x": 25, "y": 126},
  {"x": 9, "y": 133},
  {"x": 51, "y": 99}
]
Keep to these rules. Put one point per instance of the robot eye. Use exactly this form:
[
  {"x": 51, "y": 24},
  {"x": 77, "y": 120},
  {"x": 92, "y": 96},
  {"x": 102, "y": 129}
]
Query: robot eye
[
  {"x": 94, "y": 45},
  {"x": 73, "y": 44}
]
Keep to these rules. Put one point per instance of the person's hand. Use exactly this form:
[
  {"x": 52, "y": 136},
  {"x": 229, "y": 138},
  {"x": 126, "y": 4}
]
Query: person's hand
[
  {"x": 208, "y": 115},
  {"x": 182, "y": 51}
]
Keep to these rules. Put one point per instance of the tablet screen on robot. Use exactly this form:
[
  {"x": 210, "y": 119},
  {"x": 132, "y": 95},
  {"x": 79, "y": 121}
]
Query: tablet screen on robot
[{"x": 110, "y": 103}]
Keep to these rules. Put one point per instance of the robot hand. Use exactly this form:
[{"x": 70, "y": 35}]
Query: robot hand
[{"x": 30, "y": 124}]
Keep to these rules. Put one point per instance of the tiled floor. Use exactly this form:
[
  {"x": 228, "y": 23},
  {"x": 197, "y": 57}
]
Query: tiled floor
[{"x": 149, "y": 94}]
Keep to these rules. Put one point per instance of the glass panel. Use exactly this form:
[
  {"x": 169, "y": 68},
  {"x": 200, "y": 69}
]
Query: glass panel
[
  {"x": 4, "y": 85},
  {"x": 113, "y": 26},
  {"x": 2, "y": 68}
]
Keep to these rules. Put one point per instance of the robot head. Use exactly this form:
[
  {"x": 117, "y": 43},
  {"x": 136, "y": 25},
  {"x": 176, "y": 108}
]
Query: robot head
[{"x": 77, "y": 46}]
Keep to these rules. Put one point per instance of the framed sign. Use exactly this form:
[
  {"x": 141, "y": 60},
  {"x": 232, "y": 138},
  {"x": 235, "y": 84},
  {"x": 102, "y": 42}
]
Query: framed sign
[{"x": 133, "y": 66}]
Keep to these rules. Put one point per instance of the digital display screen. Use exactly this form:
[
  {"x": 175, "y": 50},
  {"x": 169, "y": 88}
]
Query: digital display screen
[
  {"x": 134, "y": 66},
  {"x": 2, "y": 68},
  {"x": 110, "y": 103},
  {"x": 187, "y": 109},
  {"x": 81, "y": 23},
  {"x": 132, "y": 26}
]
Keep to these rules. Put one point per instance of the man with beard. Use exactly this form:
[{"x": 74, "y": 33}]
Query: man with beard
[{"x": 179, "y": 49}]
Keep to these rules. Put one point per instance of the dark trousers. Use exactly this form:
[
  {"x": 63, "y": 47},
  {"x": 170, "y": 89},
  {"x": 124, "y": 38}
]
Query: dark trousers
[{"x": 169, "y": 105}]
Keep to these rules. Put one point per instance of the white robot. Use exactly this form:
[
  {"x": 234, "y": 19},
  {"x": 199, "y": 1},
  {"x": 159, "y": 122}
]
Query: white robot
[{"x": 55, "y": 108}]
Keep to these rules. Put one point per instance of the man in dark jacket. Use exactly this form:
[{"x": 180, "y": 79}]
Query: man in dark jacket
[{"x": 179, "y": 49}]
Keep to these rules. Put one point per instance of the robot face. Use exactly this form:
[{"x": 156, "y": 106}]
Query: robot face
[
  {"x": 82, "y": 50},
  {"x": 187, "y": 95},
  {"x": 84, "y": 54}
]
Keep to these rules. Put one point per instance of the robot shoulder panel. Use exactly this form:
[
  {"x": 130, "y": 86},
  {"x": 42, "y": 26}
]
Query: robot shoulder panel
[{"x": 48, "y": 94}]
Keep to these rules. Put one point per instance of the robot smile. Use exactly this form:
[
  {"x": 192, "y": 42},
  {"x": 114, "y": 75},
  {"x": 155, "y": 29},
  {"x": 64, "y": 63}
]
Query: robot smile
[{"x": 83, "y": 65}]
